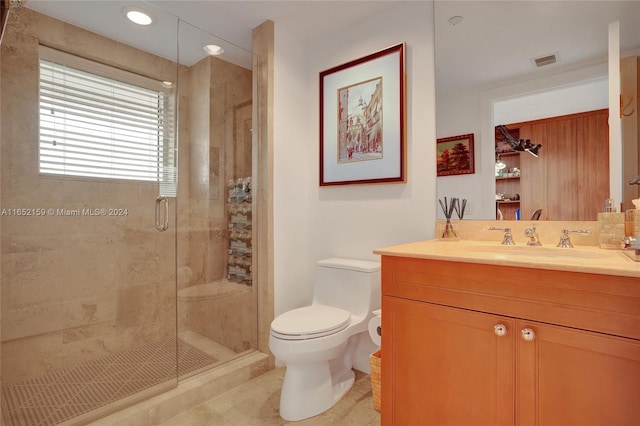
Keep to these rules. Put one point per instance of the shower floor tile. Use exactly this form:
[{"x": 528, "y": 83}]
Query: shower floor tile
[{"x": 65, "y": 394}]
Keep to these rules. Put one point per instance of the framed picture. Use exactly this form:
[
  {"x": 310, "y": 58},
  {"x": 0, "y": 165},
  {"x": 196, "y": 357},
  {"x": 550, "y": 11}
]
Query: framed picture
[
  {"x": 362, "y": 120},
  {"x": 454, "y": 155}
]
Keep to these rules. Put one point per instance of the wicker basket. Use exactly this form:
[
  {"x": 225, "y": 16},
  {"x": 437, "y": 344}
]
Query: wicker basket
[{"x": 375, "y": 362}]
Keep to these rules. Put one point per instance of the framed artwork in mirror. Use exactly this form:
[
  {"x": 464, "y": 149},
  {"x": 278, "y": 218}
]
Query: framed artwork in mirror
[
  {"x": 454, "y": 155},
  {"x": 362, "y": 115}
]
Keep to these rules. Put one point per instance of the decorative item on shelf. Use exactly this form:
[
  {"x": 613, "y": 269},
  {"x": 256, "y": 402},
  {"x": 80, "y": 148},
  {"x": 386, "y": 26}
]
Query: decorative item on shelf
[
  {"x": 239, "y": 224},
  {"x": 448, "y": 208},
  {"x": 239, "y": 190},
  {"x": 500, "y": 166},
  {"x": 519, "y": 145}
]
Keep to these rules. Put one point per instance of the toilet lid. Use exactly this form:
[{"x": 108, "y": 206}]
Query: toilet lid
[{"x": 310, "y": 322}]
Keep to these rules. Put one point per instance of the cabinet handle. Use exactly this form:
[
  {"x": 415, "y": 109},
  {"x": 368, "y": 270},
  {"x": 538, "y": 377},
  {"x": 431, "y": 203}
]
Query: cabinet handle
[
  {"x": 500, "y": 330},
  {"x": 528, "y": 334}
]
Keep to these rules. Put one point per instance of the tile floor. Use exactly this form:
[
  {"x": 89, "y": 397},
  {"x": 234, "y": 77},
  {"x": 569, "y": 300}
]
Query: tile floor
[{"x": 256, "y": 403}]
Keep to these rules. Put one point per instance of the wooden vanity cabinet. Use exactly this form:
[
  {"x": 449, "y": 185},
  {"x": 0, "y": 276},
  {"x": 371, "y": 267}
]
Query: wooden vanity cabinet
[{"x": 454, "y": 353}]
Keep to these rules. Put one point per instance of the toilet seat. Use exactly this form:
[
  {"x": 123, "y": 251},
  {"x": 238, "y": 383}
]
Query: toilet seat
[{"x": 310, "y": 322}]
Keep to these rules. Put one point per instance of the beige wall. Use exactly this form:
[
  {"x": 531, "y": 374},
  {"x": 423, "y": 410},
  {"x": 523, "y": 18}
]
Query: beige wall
[
  {"x": 312, "y": 222},
  {"x": 74, "y": 288}
]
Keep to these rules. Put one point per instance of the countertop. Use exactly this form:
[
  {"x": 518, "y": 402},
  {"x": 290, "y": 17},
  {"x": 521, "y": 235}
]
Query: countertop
[{"x": 588, "y": 259}]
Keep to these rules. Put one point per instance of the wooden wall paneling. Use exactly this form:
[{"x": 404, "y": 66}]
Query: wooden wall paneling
[
  {"x": 592, "y": 135},
  {"x": 534, "y": 179},
  {"x": 571, "y": 176},
  {"x": 561, "y": 159}
]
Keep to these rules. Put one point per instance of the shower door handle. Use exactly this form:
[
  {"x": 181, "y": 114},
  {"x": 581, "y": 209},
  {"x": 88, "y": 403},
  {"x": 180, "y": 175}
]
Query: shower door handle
[{"x": 160, "y": 201}]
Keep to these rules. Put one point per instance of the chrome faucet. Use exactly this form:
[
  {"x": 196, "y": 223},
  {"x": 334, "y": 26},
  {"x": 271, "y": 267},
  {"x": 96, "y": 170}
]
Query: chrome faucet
[
  {"x": 565, "y": 242},
  {"x": 534, "y": 239},
  {"x": 508, "y": 238}
]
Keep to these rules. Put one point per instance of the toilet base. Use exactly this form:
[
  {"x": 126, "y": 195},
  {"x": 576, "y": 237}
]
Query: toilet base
[{"x": 308, "y": 390}]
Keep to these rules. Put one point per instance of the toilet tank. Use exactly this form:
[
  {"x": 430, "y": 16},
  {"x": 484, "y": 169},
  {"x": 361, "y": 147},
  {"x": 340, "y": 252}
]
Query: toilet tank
[{"x": 349, "y": 284}]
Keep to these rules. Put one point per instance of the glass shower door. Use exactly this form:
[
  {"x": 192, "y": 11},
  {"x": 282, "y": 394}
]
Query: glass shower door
[
  {"x": 88, "y": 249},
  {"x": 217, "y": 298}
]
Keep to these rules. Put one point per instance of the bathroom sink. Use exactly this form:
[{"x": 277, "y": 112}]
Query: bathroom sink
[{"x": 533, "y": 251}]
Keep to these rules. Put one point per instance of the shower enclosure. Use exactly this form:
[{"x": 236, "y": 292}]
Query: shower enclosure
[{"x": 115, "y": 274}]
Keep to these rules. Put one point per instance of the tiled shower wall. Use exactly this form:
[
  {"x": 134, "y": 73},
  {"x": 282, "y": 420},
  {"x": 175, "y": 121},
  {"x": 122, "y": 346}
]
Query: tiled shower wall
[
  {"x": 217, "y": 95},
  {"x": 211, "y": 90}
]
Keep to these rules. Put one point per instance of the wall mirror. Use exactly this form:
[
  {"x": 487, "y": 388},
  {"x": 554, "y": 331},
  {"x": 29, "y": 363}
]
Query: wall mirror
[{"x": 486, "y": 51}]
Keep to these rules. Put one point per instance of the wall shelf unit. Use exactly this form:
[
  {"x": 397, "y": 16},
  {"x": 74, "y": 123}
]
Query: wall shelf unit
[{"x": 508, "y": 181}]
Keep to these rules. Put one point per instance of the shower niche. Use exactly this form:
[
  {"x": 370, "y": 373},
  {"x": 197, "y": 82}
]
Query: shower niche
[{"x": 240, "y": 228}]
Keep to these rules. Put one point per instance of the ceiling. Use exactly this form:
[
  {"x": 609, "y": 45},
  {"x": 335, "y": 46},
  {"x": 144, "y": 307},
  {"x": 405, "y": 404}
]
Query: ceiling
[
  {"x": 495, "y": 41},
  {"x": 227, "y": 23},
  {"x": 498, "y": 40}
]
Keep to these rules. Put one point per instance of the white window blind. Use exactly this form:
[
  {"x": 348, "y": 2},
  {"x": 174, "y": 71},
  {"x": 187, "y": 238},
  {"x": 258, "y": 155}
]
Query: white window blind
[{"x": 101, "y": 122}]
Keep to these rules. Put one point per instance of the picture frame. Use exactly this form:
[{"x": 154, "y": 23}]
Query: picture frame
[
  {"x": 362, "y": 120},
  {"x": 455, "y": 155}
]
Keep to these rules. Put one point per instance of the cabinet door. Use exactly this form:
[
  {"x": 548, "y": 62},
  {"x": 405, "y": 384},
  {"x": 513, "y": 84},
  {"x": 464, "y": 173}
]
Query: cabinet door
[
  {"x": 574, "y": 377},
  {"x": 445, "y": 366}
]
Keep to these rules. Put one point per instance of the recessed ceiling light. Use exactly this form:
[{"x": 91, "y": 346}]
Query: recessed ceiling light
[
  {"x": 213, "y": 49},
  {"x": 138, "y": 16},
  {"x": 455, "y": 20},
  {"x": 167, "y": 83}
]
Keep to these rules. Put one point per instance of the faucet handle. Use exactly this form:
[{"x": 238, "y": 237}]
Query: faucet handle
[
  {"x": 534, "y": 239},
  {"x": 565, "y": 242},
  {"x": 508, "y": 238}
]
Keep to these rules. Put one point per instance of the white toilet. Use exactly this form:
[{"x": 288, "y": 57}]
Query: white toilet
[{"x": 317, "y": 343}]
